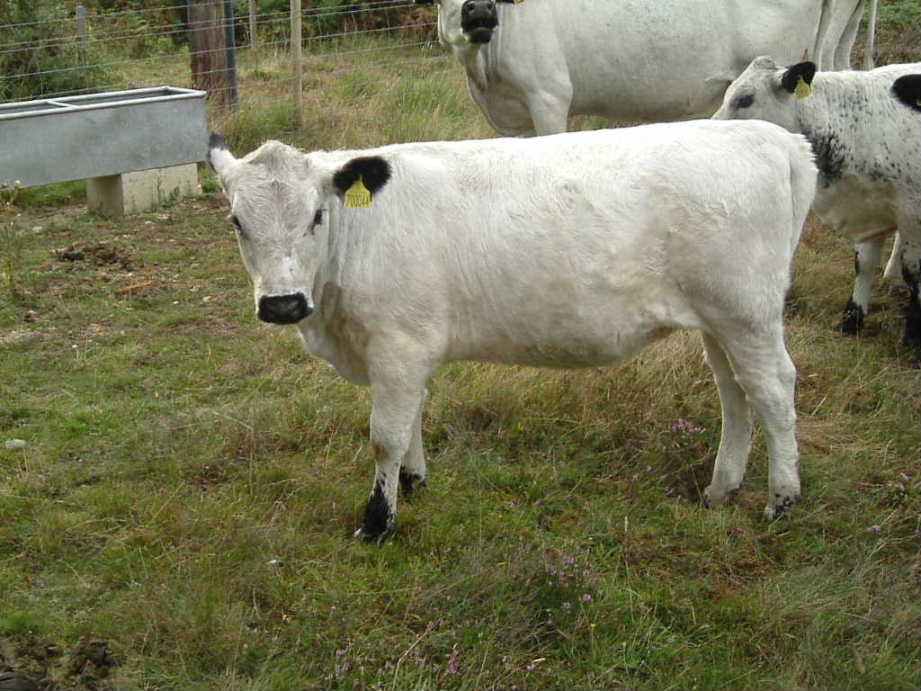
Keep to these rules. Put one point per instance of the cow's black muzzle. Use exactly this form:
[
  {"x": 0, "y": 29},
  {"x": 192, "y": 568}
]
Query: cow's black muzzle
[
  {"x": 478, "y": 20},
  {"x": 283, "y": 309}
]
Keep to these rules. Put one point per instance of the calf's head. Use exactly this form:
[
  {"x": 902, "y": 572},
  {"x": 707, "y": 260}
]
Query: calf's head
[
  {"x": 765, "y": 91},
  {"x": 280, "y": 201}
]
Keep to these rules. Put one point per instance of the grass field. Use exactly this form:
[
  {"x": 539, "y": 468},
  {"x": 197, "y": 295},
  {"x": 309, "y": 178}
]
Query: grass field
[{"x": 180, "y": 514}]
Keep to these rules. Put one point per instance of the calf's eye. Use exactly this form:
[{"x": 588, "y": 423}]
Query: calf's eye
[{"x": 744, "y": 101}]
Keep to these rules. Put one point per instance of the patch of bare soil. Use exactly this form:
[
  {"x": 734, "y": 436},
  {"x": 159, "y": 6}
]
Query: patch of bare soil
[
  {"x": 30, "y": 663},
  {"x": 101, "y": 254}
]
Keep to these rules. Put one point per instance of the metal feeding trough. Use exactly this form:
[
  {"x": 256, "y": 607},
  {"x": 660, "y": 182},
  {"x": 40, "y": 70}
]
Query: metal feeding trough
[{"x": 103, "y": 135}]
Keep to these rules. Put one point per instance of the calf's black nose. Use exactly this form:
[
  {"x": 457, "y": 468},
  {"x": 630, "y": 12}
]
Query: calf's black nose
[
  {"x": 283, "y": 309},
  {"x": 479, "y": 10},
  {"x": 478, "y": 19}
]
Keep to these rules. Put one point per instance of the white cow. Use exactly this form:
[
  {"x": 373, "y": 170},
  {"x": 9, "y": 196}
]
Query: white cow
[
  {"x": 868, "y": 149},
  {"x": 532, "y": 63},
  {"x": 574, "y": 250}
]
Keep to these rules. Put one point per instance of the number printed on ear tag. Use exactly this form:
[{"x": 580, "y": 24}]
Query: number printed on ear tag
[{"x": 358, "y": 196}]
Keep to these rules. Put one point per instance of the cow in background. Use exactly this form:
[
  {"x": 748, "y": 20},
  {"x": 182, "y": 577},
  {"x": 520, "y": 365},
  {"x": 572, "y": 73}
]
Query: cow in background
[{"x": 531, "y": 64}]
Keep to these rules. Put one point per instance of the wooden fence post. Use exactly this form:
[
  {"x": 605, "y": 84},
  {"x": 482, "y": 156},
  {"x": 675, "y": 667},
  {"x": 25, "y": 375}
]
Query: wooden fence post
[
  {"x": 297, "y": 57},
  {"x": 81, "y": 32},
  {"x": 208, "y": 44},
  {"x": 81, "y": 22},
  {"x": 253, "y": 36},
  {"x": 230, "y": 61}
]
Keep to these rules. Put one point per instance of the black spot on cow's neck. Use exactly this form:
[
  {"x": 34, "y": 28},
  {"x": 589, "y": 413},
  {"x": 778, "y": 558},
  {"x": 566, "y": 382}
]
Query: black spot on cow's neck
[
  {"x": 374, "y": 172},
  {"x": 829, "y": 156}
]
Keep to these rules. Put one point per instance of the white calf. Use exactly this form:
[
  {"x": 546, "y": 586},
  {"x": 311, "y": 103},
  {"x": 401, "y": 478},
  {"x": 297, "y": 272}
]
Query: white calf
[{"x": 573, "y": 250}]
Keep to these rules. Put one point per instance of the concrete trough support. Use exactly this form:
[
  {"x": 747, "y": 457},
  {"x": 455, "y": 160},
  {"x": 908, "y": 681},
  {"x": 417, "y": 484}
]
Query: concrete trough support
[
  {"x": 136, "y": 149},
  {"x": 143, "y": 190}
]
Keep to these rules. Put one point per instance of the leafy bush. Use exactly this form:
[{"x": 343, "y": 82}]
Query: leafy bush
[{"x": 38, "y": 53}]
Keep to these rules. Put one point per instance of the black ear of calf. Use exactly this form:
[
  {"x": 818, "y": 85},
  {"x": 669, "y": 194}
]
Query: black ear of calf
[
  {"x": 806, "y": 70},
  {"x": 374, "y": 172},
  {"x": 907, "y": 89},
  {"x": 216, "y": 141}
]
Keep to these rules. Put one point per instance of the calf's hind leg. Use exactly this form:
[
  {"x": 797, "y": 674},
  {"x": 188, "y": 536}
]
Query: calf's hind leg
[
  {"x": 894, "y": 265},
  {"x": 909, "y": 220},
  {"x": 413, "y": 470},
  {"x": 766, "y": 373},
  {"x": 866, "y": 262},
  {"x": 736, "y": 433}
]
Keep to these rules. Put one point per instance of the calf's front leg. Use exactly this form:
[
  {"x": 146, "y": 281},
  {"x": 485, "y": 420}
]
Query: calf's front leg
[
  {"x": 549, "y": 111},
  {"x": 396, "y": 408}
]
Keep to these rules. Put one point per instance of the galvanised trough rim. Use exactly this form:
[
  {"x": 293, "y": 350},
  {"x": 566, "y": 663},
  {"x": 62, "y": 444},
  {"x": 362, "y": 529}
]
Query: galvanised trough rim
[{"x": 67, "y": 105}]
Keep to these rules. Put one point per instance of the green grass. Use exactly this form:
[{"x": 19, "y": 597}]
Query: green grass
[{"x": 192, "y": 478}]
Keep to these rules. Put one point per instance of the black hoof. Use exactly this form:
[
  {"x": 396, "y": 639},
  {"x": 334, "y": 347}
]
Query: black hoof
[
  {"x": 852, "y": 321},
  {"x": 912, "y": 337},
  {"x": 782, "y": 508},
  {"x": 410, "y": 482},
  {"x": 724, "y": 498},
  {"x": 379, "y": 518},
  {"x": 372, "y": 538}
]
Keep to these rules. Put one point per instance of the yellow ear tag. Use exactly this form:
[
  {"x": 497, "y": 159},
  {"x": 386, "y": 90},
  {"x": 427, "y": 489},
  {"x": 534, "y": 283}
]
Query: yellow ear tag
[
  {"x": 358, "y": 196},
  {"x": 802, "y": 90},
  {"x": 518, "y": 1}
]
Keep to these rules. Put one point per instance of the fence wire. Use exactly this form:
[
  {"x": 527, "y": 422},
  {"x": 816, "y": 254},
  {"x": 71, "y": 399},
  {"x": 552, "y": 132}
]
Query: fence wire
[
  {"x": 118, "y": 50},
  {"x": 261, "y": 19}
]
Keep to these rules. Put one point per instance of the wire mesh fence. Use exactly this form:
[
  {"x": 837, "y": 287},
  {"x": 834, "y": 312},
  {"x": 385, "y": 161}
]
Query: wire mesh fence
[{"x": 50, "y": 50}]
